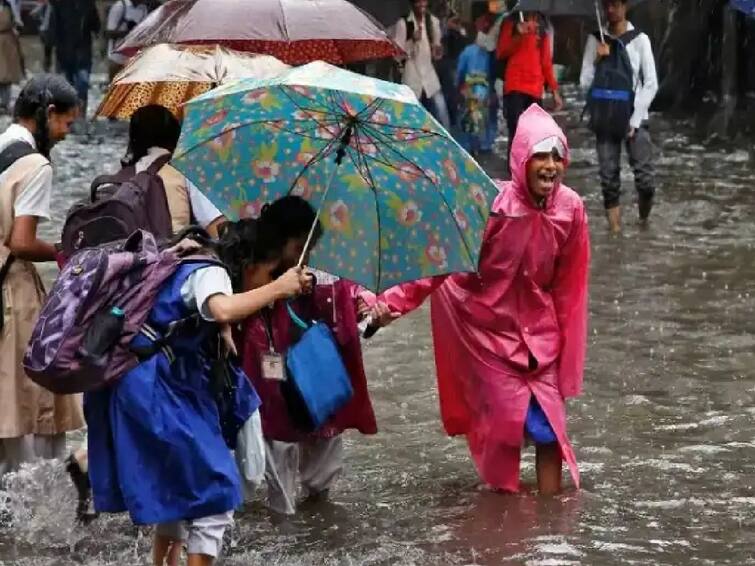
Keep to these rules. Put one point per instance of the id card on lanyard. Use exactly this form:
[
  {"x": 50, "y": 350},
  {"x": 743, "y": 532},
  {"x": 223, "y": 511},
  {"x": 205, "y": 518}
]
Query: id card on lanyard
[{"x": 272, "y": 362}]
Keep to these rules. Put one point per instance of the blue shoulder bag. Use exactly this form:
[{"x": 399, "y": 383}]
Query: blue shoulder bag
[{"x": 318, "y": 384}]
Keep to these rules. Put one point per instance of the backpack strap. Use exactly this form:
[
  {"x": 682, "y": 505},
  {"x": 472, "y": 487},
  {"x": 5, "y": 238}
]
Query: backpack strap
[
  {"x": 8, "y": 157},
  {"x": 3, "y": 273},
  {"x": 627, "y": 38},
  {"x": 158, "y": 164},
  {"x": 13, "y": 153},
  {"x": 630, "y": 36}
]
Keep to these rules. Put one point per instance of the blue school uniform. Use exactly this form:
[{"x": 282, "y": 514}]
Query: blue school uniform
[{"x": 156, "y": 444}]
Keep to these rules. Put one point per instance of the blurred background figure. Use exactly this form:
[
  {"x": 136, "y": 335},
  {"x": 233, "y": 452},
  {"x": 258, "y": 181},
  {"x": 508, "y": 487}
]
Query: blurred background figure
[
  {"x": 122, "y": 17},
  {"x": 475, "y": 79},
  {"x": 73, "y": 25},
  {"x": 11, "y": 58},
  {"x": 419, "y": 35}
]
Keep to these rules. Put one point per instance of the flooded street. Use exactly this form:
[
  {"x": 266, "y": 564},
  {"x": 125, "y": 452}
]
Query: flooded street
[{"x": 664, "y": 434}]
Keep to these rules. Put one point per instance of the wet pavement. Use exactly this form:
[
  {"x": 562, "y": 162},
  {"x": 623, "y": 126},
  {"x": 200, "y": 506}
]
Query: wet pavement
[{"x": 664, "y": 434}]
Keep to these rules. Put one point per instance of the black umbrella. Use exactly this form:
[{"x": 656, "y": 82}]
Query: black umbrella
[
  {"x": 567, "y": 8},
  {"x": 564, "y": 7}
]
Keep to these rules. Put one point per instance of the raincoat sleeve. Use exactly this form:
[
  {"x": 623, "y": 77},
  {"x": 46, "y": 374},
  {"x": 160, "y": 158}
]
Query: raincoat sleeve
[
  {"x": 570, "y": 300},
  {"x": 403, "y": 299}
]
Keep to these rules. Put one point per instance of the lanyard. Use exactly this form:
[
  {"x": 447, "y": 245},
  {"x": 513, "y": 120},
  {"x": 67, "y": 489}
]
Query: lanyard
[{"x": 267, "y": 319}]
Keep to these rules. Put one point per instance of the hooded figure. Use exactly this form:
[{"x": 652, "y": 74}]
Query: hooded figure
[{"x": 510, "y": 339}]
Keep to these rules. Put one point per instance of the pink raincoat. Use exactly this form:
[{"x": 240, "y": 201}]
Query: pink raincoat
[
  {"x": 335, "y": 304},
  {"x": 529, "y": 298}
]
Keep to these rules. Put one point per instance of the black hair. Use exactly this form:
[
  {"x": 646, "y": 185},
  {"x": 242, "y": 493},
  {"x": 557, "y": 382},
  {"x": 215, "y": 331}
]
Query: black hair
[
  {"x": 37, "y": 95},
  {"x": 251, "y": 241},
  {"x": 151, "y": 126}
]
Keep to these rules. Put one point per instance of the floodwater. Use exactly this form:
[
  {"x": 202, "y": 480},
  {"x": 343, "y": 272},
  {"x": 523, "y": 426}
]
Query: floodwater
[{"x": 664, "y": 433}]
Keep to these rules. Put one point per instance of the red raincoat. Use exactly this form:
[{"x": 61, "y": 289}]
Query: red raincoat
[{"x": 530, "y": 297}]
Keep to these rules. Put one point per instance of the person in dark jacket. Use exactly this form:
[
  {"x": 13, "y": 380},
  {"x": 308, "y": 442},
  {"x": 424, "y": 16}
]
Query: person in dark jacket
[{"x": 74, "y": 23}]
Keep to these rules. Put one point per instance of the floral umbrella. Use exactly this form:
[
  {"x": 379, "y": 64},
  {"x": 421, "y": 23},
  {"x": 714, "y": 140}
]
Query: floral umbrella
[{"x": 399, "y": 199}]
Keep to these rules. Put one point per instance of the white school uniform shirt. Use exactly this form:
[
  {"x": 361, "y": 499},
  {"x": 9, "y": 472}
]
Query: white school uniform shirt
[
  {"x": 205, "y": 213},
  {"x": 34, "y": 199},
  {"x": 203, "y": 284},
  {"x": 118, "y": 18},
  {"x": 643, "y": 68},
  {"x": 419, "y": 71}
]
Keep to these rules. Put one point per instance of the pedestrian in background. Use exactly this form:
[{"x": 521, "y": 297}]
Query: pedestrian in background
[
  {"x": 43, "y": 15},
  {"x": 419, "y": 35},
  {"x": 11, "y": 60},
  {"x": 455, "y": 39},
  {"x": 74, "y": 23},
  {"x": 475, "y": 81},
  {"x": 123, "y": 16},
  {"x": 623, "y": 42},
  {"x": 525, "y": 45}
]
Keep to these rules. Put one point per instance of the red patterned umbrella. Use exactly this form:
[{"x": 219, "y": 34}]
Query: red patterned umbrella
[{"x": 294, "y": 31}]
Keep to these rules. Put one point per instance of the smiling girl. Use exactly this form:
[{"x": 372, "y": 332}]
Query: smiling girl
[{"x": 510, "y": 339}]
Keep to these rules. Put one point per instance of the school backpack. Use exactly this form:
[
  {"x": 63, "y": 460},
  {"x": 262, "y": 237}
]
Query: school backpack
[
  {"x": 610, "y": 101},
  {"x": 119, "y": 205},
  {"x": 12, "y": 153},
  {"x": 99, "y": 302}
]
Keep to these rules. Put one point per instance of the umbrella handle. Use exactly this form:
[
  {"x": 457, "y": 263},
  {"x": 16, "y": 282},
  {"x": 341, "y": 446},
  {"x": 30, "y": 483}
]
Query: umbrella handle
[
  {"x": 600, "y": 22},
  {"x": 340, "y": 154}
]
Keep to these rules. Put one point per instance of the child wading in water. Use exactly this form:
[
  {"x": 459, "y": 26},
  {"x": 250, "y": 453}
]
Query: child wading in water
[
  {"x": 313, "y": 457},
  {"x": 510, "y": 340},
  {"x": 156, "y": 445}
]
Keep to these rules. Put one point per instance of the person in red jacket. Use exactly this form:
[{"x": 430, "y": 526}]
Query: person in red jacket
[{"x": 525, "y": 44}]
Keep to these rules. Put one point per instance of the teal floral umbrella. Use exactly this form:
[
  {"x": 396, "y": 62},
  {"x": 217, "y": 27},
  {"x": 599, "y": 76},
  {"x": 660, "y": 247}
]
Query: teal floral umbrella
[{"x": 398, "y": 197}]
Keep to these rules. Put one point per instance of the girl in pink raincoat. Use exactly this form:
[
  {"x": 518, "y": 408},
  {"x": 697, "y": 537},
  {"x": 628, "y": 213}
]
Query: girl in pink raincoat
[{"x": 510, "y": 339}]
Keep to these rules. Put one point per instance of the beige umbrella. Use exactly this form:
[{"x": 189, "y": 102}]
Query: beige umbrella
[{"x": 171, "y": 75}]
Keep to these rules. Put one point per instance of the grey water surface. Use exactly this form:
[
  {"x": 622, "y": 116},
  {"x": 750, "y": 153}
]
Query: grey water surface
[{"x": 664, "y": 433}]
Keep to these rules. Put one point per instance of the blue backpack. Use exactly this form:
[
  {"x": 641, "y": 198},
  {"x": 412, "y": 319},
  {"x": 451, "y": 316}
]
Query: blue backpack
[{"x": 610, "y": 102}]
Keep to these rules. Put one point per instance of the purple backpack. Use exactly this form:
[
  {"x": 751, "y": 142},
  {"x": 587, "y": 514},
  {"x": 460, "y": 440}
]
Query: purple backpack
[
  {"x": 98, "y": 303},
  {"x": 118, "y": 205}
]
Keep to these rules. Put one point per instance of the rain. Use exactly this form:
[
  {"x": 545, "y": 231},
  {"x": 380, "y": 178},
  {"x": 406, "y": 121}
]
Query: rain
[{"x": 664, "y": 432}]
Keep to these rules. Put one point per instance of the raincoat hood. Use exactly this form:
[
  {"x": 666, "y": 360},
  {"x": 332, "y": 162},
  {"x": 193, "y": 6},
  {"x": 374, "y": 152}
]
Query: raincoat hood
[{"x": 535, "y": 125}]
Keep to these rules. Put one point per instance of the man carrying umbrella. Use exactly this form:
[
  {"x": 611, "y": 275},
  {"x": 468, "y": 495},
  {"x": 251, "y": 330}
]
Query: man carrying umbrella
[{"x": 622, "y": 37}]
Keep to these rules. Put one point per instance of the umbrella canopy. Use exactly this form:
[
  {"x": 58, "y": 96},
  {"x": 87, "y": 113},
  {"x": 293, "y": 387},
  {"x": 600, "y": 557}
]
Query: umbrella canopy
[
  {"x": 563, "y": 7},
  {"x": 745, "y": 6},
  {"x": 171, "y": 75},
  {"x": 294, "y": 31},
  {"x": 406, "y": 201}
]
